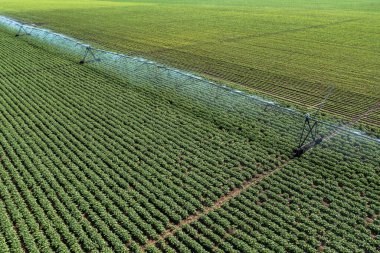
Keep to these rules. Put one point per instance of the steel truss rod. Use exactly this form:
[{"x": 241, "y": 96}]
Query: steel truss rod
[
  {"x": 308, "y": 129},
  {"x": 89, "y": 52},
  {"x": 93, "y": 52},
  {"x": 355, "y": 120},
  {"x": 310, "y": 126},
  {"x": 22, "y": 31},
  {"x": 304, "y": 148},
  {"x": 322, "y": 104}
]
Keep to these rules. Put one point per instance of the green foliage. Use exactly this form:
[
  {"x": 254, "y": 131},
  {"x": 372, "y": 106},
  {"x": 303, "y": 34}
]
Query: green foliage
[
  {"x": 290, "y": 50},
  {"x": 91, "y": 162},
  {"x": 326, "y": 216},
  {"x": 94, "y": 163}
]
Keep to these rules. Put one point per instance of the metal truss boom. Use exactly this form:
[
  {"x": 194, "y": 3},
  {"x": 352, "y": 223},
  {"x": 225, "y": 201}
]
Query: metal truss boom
[
  {"x": 89, "y": 52},
  {"x": 22, "y": 31}
]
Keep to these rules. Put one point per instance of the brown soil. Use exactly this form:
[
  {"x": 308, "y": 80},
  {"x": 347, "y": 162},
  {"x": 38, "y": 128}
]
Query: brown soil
[{"x": 222, "y": 200}]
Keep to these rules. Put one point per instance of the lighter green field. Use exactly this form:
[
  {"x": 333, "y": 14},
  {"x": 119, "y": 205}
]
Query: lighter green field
[{"x": 290, "y": 50}]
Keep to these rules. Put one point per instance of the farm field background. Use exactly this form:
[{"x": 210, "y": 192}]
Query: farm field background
[
  {"x": 94, "y": 162},
  {"x": 288, "y": 50}
]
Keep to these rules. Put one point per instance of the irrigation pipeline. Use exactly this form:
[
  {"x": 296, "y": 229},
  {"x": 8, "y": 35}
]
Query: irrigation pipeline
[
  {"x": 79, "y": 49},
  {"x": 303, "y": 149},
  {"x": 355, "y": 120}
]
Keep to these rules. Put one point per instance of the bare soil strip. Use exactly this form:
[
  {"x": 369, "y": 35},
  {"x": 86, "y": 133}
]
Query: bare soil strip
[
  {"x": 237, "y": 191},
  {"x": 222, "y": 200}
]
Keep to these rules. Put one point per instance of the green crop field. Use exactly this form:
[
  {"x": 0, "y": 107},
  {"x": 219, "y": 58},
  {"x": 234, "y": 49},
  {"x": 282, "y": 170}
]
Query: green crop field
[
  {"x": 92, "y": 162},
  {"x": 124, "y": 155},
  {"x": 289, "y": 50}
]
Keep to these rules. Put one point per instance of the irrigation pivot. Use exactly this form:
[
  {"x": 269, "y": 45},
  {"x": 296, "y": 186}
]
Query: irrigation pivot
[{"x": 310, "y": 128}]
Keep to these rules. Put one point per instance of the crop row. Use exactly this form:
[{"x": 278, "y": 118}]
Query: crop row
[
  {"x": 92, "y": 162},
  {"x": 264, "y": 64},
  {"x": 328, "y": 201},
  {"x": 97, "y": 162}
]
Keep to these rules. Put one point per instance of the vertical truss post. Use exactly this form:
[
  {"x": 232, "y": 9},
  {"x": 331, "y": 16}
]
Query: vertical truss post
[
  {"x": 89, "y": 52},
  {"x": 310, "y": 128},
  {"x": 22, "y": 31}
]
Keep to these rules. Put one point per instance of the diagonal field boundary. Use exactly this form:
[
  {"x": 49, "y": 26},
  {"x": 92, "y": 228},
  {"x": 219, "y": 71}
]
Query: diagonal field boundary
[
  {"x": 217, "y": 204},
  {"x": 247, "y": 184}
]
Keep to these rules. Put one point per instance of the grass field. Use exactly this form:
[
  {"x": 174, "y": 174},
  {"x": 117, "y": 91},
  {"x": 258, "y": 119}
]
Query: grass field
[
  {"x": 289, "y": 50},
  {"x": 92, "y": 162}
]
